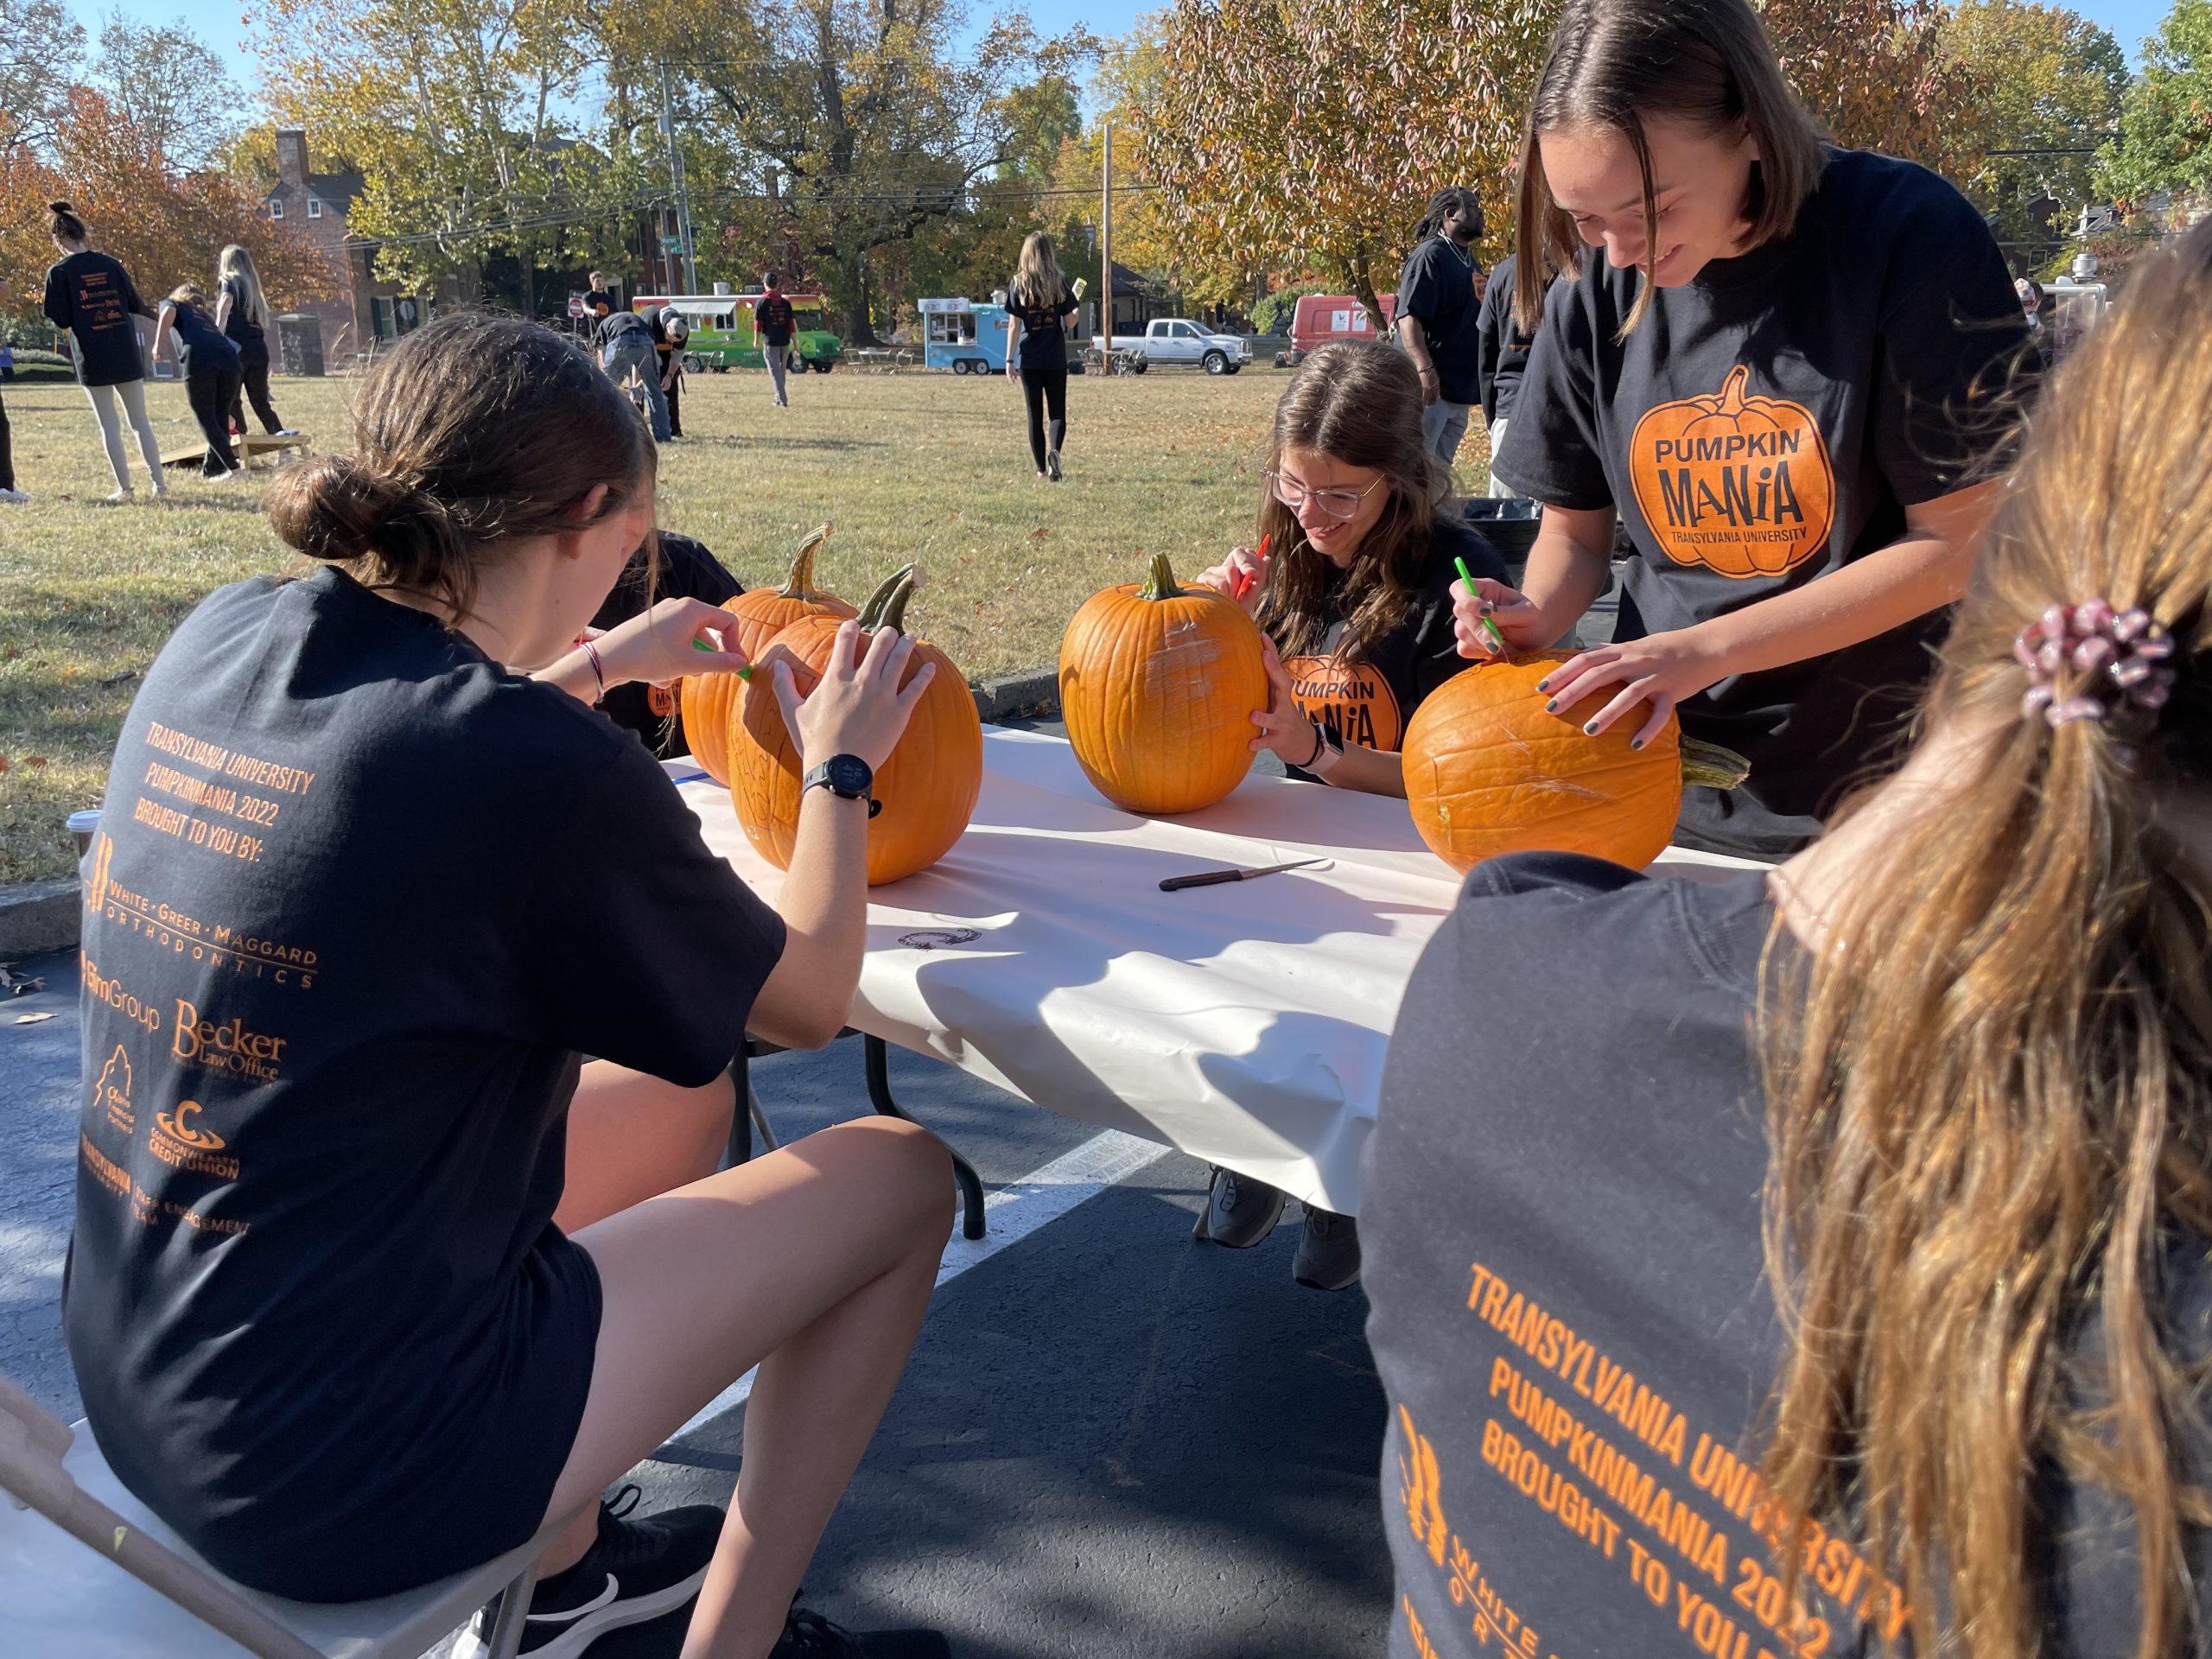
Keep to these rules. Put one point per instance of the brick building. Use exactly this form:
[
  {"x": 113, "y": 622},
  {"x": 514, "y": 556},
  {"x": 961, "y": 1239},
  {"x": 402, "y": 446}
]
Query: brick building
[{"x": 371, "y": 310}]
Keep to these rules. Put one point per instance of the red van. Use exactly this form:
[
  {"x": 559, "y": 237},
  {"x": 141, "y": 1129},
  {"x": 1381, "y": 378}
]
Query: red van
[{"x": 1320, "y": 318}]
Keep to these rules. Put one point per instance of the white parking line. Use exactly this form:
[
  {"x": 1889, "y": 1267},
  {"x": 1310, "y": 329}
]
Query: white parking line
[{"x": 1010, "y": 1215}]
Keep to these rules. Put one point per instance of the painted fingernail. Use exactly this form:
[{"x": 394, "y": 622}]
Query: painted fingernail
[
  {"x": 1635, "y": 742},
  {"x": 1590, "y": 730},
  {"x": 1543, "y": 685},
  {"x": 1551, "y": 707}
]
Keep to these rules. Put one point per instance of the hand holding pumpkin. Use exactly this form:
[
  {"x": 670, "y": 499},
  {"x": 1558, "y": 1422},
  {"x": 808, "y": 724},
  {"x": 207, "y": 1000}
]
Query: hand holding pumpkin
[
  {"x": 657, "y": 645},
  {"x": 1660, "y": 670},
  {"x": 1283, "y": 726},
  {"x": 857, "y": 706},
  {"x": 1518, "y": 618}
]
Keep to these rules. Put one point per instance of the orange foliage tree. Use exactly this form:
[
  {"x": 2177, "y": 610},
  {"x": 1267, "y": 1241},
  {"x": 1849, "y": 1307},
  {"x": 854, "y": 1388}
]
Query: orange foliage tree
[{"x": 166, "y": 228}]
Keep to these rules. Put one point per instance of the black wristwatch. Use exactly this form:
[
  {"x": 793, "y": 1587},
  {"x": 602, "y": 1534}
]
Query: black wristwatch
[{"x": 846, "y": 776}]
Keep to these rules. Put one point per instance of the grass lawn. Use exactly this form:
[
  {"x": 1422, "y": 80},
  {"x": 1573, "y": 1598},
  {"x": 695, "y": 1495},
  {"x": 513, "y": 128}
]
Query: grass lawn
[{"x": 910, "y": 466}]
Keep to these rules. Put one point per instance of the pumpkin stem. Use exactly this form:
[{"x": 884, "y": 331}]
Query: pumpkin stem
[
  {"x": 1731, "y": 390},
  {"x": 887, "y": 606},
  {"x": 1161, "y": 584},
  {"x": 1708, "y": 765},
  {"x": 800, "y": 583}
]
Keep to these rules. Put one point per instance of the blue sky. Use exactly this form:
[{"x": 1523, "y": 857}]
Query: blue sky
[{"x": 218, "y": 21}]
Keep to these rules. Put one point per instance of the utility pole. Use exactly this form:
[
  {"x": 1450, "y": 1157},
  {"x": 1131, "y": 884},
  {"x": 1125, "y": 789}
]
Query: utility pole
[
  {"x": 676, "y": 180},
  {"x": 1106, "y": 249}
]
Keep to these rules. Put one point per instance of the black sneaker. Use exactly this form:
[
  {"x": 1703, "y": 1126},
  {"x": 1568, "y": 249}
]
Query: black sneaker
[
  {"x": 634, "y": 1571},
  {"x": 809, "y": 1635},
  {"x": 1240, "y": 1212},
  {"x": 1052, "y": 465},
  {"x": 1328, "y": 1256}
]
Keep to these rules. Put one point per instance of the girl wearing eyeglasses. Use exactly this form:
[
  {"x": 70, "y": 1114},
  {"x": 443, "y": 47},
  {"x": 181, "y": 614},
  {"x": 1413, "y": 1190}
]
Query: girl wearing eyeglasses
[
  {"x": 1353, "y": 594},
  {"x": 1354, "y": 588}
]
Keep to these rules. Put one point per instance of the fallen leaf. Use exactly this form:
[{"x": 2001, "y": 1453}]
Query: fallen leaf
[
  {"x": 31, "y": 1019},
  {"x": 34, "y": 761}
]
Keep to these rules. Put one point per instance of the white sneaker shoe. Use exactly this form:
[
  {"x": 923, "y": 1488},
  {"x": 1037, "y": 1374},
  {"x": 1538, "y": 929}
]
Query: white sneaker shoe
[
  {"x": 13, "y": 497},
  {"x": 122, "y": 497}
]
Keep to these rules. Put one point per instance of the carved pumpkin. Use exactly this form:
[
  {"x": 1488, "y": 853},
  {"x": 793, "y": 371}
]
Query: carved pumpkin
[
  {"x": 1739, "y": 485},
  {"x": 1158, "y": 686},
  {"x": 709, "y": 700},
  {"x": 928, "y": 786},
  {"x": 1488, "y": 771}
]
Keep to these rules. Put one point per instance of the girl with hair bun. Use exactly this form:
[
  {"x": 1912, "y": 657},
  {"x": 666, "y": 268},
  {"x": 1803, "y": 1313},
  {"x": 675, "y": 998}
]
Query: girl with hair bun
[
  {"x": 1844, "y": 1270},
  {"x": 92, "y": 297},
  {"x": 209, "y": 361},
  {"x": 375, "y": 1274}
]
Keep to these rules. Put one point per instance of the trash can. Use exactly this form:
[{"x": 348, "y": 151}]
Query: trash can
[
  {"x": 299, "y": 343},
  {"x": 1511, "y": 525}
]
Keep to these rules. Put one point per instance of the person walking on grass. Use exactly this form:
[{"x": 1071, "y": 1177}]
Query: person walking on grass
[
  {"x": 208, "y": 360},
  {"x": 242, "y": 313},
  {"x": 1037, "y": 306},
  {"x": 625, "y": 342},
  {"x": 1440, "y": 300},
  {"x": 91, "y": 296},
  {"x": 773, "y": 325},
  {"x": 10, "y": 495}
]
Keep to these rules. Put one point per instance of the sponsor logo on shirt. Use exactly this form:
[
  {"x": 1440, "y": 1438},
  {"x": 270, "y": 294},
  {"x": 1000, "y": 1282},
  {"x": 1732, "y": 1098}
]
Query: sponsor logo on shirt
[
  {"x": 1740, "y": 485},
  {"x": 112, "y": 1092},
  {"x": 96, "y": 883},
  {"x": 229, "y": 1047},
  {"x": 1351, "y": 699},
  {"x": 177, "y": 1139}
]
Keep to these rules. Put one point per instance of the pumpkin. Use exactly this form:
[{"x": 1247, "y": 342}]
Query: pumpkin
[
  {"x": 1489, "y": 772},
  {"x": 1158, "y": 686},
  {"x": 1739, "y": 485},
  {"x": 927, "y": 787},
  {"x": 708, "y": 700}
]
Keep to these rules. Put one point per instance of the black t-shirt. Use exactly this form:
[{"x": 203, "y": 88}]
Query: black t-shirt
[
  {"x": 1368, "y": 702},
  {"x": 688, "y": 570},
  {"x": 1562, "y": 1255},
  {"x": 595, "y": 298},
  {"x": 1438, "y": 286},
  {"x": 1769, "y": 423},
  {"x": 360, "y": 899},
  {"x": 623, "y": 327},
  {"x": 91, "y": 296},
  {"x": 202, "y": 349},
  {"x": 240, "y": 325},
  {"x": 1501, "y": 346},
  {"x": 1043, "y": 328},
  {"x": 775, "y": 319}
]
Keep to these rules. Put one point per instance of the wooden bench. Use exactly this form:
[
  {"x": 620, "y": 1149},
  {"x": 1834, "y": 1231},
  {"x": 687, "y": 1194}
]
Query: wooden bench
[
  {"x": 87, "y": 1571},
  {"x": 253, "y": 444}
]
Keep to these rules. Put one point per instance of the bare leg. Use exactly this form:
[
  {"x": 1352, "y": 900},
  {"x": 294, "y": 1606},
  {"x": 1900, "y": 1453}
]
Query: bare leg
[
  {"x": 102, "y": 399},
  {"x": 815, "y": 1262},
  {"x": 133, "y": 393}
]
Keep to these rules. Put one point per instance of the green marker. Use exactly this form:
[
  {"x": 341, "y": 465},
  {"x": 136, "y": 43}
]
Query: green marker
[
  {"x": 744, "y": 672},
  {"x": 1468, "y": 577}
]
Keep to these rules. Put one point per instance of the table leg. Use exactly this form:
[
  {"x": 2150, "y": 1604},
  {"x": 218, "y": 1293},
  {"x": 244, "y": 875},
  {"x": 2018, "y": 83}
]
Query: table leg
[{"x": 878, "y": 1055}]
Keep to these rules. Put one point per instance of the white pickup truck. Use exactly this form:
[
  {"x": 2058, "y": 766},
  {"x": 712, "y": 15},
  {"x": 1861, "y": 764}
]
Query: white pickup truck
[{"x": 1184, "y": 344}]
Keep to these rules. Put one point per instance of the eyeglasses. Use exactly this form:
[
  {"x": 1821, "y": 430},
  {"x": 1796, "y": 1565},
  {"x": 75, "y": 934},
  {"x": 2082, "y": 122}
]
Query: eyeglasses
[{"x": 1337, "y": 504}]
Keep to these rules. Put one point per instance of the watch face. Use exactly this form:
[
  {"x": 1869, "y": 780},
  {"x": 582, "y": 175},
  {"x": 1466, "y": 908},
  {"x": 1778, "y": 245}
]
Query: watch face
[{"x": 848, "y": 774}]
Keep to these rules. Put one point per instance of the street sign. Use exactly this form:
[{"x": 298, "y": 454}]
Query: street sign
[
  {"x": 575, "y": 304},
  {"x": 671, "y": 245}
]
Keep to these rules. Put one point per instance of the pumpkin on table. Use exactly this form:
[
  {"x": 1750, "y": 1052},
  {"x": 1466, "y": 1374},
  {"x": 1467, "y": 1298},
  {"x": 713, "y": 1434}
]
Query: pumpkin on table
[
  {"x": 1158, "y": 684},
  {"x": 927, "y": 787},
  {"x": 1488, "y": 770},
  {"x": 709, "y": 700}
]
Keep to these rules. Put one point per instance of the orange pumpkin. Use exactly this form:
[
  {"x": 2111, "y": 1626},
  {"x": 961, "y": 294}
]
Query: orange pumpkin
[
  {"x": 928, "y": 786},
  {"x": 1489, "y": 772},
  {"x": 1157, "y": 687},
  {"x": 1739, "y": 485},
  {"x": 708, "y": 700}
]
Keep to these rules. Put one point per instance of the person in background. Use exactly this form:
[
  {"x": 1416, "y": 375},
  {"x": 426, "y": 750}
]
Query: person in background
[
  {"x": 624, "y": 341},
  {"x": 670, "y": 331},
  {"x": 1789, "y": 370},
  {"x": 91, "y": 296},
  {"x": 1501, "y": 347},
  {"x": 1439, "y": 295},
  {"x": 680, "y": 568},
  {"x": 208, "y": 360},
  {"x": 2031, "y": 295},
  {"x": 1038, "y": 307},
  {"x": 1354, "y": 600},
  {"x": 242, "y": 313},
  {"x": 773, "y": 325},
  {"x": 10, "y": 495},
  {"x": 1946, "y": 1075},
  {"x": 598, "y": 302}
]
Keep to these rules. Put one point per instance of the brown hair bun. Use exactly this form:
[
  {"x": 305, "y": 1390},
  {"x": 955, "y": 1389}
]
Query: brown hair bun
[{"x": 333, "y": 508}]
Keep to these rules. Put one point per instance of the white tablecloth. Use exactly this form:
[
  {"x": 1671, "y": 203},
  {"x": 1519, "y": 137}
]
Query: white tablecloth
[{"x": 1243, "y": 1023}]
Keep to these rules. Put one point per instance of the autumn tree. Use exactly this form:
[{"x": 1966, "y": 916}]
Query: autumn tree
[
  {"x": 2165, "y": 146},
  {"x": 1875, "y": 74},
  {"x": 40, "y": 45},
  {"x": 169, "y": 86}
]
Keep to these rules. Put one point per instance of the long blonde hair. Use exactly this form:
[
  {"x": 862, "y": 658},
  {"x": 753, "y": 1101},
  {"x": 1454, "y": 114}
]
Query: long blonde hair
[
  {"x": 1037, "y": 277},
  {"x": 236, "y": 264},
  {"x": 1990, "y": 1097}
]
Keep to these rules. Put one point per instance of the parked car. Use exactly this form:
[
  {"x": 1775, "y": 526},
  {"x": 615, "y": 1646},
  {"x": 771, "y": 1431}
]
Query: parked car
[
  {"x": 721, "y": 331},
  {"x": 1320, "y": 318},
  {"x": 1181, "y": 343}
]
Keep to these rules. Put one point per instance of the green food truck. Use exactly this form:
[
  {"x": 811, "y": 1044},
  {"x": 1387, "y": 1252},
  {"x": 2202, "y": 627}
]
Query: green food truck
[{"x": 721, "y": 331}]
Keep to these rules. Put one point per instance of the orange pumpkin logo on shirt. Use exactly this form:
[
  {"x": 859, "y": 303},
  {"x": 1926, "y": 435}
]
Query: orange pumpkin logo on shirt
[
  {"x": 1739, "y": 485},
  {"x": 1350, "y": 699}
]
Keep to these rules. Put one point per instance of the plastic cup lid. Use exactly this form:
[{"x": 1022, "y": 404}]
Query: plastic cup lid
[{"x": 83, "y": 824}]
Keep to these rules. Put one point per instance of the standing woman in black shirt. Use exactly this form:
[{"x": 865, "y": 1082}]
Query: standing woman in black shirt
[
  {"x": 1789, "y": 370},
  {"x": 242, "y": 313},
  {"x": 1820, "y": 1261},
  {"x": 412, "y": 985},
  {"x": 208, "y": 359},
  {"x": 1037, "y": 306},
  {"x": 91, "y": 296},
  {"x": 1353, "y": 597}
]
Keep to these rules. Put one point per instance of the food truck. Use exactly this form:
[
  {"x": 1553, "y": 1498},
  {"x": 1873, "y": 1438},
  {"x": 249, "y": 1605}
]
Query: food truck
[
  {"x": 721, "y": 331},
  {"x": 963, "y": 336}
]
